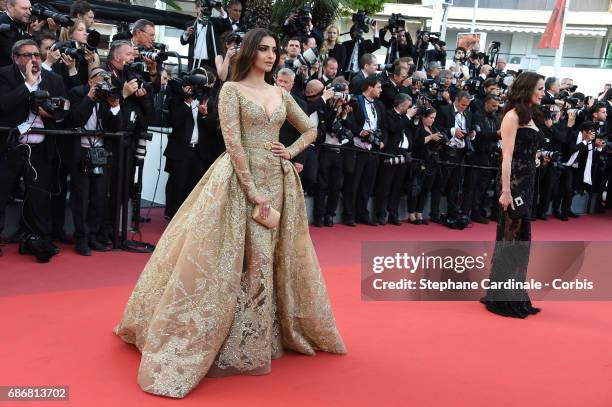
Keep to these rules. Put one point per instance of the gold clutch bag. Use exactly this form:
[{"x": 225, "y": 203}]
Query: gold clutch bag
[{"x": 271, "y": 221}]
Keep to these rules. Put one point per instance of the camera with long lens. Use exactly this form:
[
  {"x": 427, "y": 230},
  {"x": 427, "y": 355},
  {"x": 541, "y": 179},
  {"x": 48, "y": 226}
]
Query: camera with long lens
[
  {"x": 473, "y": 85},
  {"x": 93, "y": 40},
  {"x": 141, "y": 145},
  {"x": 554, "y": 157},
  {"x": 399, "y": 159},
  {"x": 200, "y": 85},
  {"x": 396, "y": 23},
  {"x": 136, "y": 70},
  {"x": 42, "y": 12},
  {"x": 343, "y": 134},
  {"x": 427, "y": 37},
  {"x": 236, "y": 39},
  {"x": 362, "y": 22},
  {"x": 208, "y": 6},
  {"x": 155, "y": 54},
  {"x": 70, "y": 48},
  {"x": 309, "y": 57},
  {"x": 56, "y": 106}
]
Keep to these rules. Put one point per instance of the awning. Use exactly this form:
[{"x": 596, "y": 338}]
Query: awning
[{"x": 524, "y": 28}]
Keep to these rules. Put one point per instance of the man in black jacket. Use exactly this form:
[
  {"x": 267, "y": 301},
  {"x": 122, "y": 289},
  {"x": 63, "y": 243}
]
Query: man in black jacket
[
  {"x": 370, "y": 132},
  {"x": 455, "y": 121},
  {"x": 488, "y": 134},
  {"x": 186, "y": 149},
  {"x": 367, "y": 63},
  {"x": 23, "y": 153},
  {"x": 204, "y": 37},
  {"x": 391, "y": 178},
  {"x": 88, "y": 182},
  {"x": 356, "y": 47},
  {"x": 17, "y": 16},
  {"x": 395, "y": 85}
]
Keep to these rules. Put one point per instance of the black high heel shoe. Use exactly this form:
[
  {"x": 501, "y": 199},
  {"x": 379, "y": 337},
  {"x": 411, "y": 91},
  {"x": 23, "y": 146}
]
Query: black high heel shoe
[
  {"x": 516, "y": 310},
  {"x": 528, "y": 308}
]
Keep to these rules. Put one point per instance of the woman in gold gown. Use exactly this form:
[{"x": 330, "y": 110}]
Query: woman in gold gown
[{"x": 222, "y": 294}]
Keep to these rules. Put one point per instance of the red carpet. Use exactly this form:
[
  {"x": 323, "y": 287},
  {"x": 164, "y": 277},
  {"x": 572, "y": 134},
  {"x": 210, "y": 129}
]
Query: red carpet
[{"x": 57, "y": 321}]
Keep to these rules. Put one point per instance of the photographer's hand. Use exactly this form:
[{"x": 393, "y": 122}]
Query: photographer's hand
[
  {"x": 36, "y": 26},
  {"x": 90, "y": 57},
  {"x": 571, "y": 118},
  {"x": 328, "y": 94},
  {"x": 203, "y": 108},
  {"x": 446, "y": 96},
  {"x": 44, "y": 114},
  {"x": 412, "y": 112},
  {"x": 141, "y": 92},
  {"x": 92, "y": 93},
  {"x": 189, "y": 32},
  {"x": 458, "y": 133},
  {"x": 129, "y": 88},
  {"x": 112, "y": 101},
  {"x": 70, "y": 64},
  {"x": 52, "y": 25},
  {"x": 53, "y": 55}
]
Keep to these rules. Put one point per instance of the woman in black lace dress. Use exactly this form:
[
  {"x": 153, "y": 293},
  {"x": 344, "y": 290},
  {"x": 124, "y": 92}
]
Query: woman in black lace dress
[{"x": 520, "y": 139}]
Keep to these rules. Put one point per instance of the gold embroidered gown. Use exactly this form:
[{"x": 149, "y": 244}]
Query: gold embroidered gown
[{"x": 222, "y": 294}]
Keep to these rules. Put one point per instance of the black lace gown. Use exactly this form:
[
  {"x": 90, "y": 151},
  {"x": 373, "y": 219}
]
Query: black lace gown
[{"x": 513, "y": 238}]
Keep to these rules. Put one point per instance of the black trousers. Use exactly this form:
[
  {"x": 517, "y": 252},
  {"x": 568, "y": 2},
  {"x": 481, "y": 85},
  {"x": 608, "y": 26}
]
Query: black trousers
[
  {"x": 183, "y": 175},
  {"x": 563, "y": 201},
  {"x": 329, "y": 183},
  {"x": 37, "y": 203},
  {"x": 549, "y": 187},
  {"x": 59, "y": 183},
  {"x": 390, "y": 185},
  {"x": 425, "y": 177},
  {"x": 358, "y": 186},
  {"x": 87, "y": 201},
  {"x": 455, "y": 180},
  {"x": 308, "y": 176},
  {"x": 475, "y": 185}
]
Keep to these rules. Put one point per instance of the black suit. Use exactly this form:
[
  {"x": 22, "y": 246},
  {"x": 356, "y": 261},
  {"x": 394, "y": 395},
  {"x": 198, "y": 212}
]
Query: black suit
[
  {"x": 355, "y": 87},
  {"x": 8, "y": 38},
  {"x": 88, "y": 191},
  {"x": 360, "y": 168},
  {"x": 391, "y": 179},
  {"x": 339, "y": 53},
  {"x": 220, "y": 25},
  {"x": 365, "y": 46},
  {"x": 445, "y": 121},
  {"x": 14, "y": 110},
  {"x": 185, "y": 163}
]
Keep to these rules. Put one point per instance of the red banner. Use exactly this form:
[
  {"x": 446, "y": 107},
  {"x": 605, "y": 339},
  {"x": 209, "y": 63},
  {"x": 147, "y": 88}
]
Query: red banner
[{"x": 552, "y": 34}]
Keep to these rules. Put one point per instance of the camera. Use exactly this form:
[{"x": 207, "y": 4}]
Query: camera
[
  {"x": 495, "y": 45},
  {"x": 300, "y": 24},
  {"x": 55, "y": 106},
  {"x": 343, "y": 134},
  {"x": 136, "y": 70},
  {"x": 155, "y": 54},
  {"x": 199, "y": 80},
  {"x": 208, "y": 5},
  {"x": 427, "y": 37},
  {"x": 105, "y": 89},
  {"x": 94, "y": 160},
  {"x": 398, "y": 160},
  {"x": 42, "y": 12},
  {"x": 362, "y": 22},
  {"x": 396, "y": 23},
  {"x": 93, "y": 39},
  {"x": 307, "y": 58},
  {"x": 374, "y": 137},
  {"x": 70, "y": 48}
]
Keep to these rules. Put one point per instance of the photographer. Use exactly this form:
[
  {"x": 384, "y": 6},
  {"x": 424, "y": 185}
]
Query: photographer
[
  {"x": 400, "y": 45},
  {"x": 445, "y": 90},
  {"x": 393, "y": 86},
  {"x": 334, "y": 124},
  {"x": 95, "y": 107},
  {"x": 29, "y": 154},
  {"x": 427, "y": 144},
  {"x": 488, "y": 133},
  {"x": 598, "y": 174},
  {"x": 551, "y": 88},
  {"x": 82, "y": 10},
  {"x": 393, "y": 172},
  {"x": 299, "y": 24},
  {"x": 455, "y": 121},
  {"x": 368, "y": 67},
  {"x": 204, "y": 34},
  {"x": 437, "y": 54},
  {"x": 489, "y": 87},
  {"x": 77, "y": 59},
  {"x": 549, "y": 172},
  {"x": 330, "y": 70},
  {"x": 17, "y": 16},
  {"x": 356, "y": 47},
  {"x": 231, "y": 45},
  {"x": 424, "y": 38},
  {"x": 186, "y": 150},
  {"x": 370, "y": 132},
  {"x": 458, "y": 65}
]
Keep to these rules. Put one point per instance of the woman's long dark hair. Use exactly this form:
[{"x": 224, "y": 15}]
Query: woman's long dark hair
[
  {"x": 248, "y": 52},
  {"x": 519, "y": 97}
]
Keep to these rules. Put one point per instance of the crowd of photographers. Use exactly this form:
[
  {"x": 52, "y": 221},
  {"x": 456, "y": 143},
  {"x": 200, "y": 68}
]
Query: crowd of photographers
[{"x": 412, "y": 126}]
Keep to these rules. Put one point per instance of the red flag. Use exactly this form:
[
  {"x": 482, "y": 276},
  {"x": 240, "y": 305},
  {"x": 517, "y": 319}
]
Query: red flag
[{"x": 552, "y": 34}]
